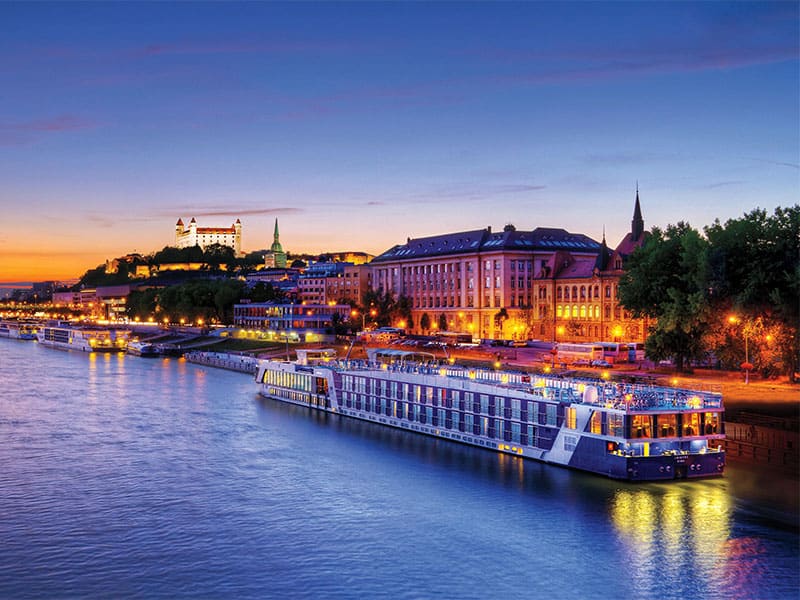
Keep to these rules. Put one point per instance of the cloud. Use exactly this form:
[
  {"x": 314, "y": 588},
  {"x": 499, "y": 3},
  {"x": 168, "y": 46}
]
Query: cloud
[
  {"x": 194, "y": 211},
  {"x": 465, "y": 191},
  {"x": 375, "y": 203},
  {"x": 719, "y": 184},
  {"x": 12, "y": 134},
  {"x": 245, "y": 47},
  {"x": 615, "y": 158},
  {"x": 775, "y": 162}
]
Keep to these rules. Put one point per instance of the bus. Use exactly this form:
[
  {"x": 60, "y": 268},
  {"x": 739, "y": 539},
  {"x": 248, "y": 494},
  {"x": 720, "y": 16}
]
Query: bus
[
  {"x": 453, "y": 338},
  {"x": 569, "y": 353},
  {"x": 615, "y": 352},
  {"x": 635, "y": 351}
]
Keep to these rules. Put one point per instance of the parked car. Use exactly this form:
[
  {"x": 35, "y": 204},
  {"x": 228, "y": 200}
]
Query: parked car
[
  {"x": 602, "y": 364},
  {"x": 582, "y": 362}
]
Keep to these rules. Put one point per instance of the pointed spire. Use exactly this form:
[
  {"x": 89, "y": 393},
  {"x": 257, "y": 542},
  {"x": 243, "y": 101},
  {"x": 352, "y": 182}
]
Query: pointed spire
[
  {"x": 276, "y": 235},
  {"x": 637, "y": 223}
]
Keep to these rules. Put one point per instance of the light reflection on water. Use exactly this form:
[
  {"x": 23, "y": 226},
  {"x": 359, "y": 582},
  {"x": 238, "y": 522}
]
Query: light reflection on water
[{"x": 158, "y": 478}]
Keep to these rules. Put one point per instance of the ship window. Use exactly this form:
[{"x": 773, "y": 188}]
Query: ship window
[
  {"x": 484, "y": 404},
  {"x": 711, "y": 423},
  {"x": 551, "y": 415},
  {"x": 667, "y": 425},
  {"x": 642, "y": 426},
  {"x": 595, "y": 424},
  {"x": 691, "y": 424},
  {"x": 571, "y": 418},
  {"x": 570, "y": 441},
  {"x": 615, "y": 425}
]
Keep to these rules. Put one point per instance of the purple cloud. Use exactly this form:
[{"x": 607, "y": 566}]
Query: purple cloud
[
  {"x": 13, "y": 134},
  {"x": 228, "y": 211}
]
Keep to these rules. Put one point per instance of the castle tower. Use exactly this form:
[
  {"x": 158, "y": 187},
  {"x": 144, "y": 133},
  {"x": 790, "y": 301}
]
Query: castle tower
[
  {"x": 237, "y": 237},
  {"x": 178, "y": 231}
]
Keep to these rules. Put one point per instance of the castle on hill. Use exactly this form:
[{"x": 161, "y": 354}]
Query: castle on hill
[{"x": 207, "y": 236}]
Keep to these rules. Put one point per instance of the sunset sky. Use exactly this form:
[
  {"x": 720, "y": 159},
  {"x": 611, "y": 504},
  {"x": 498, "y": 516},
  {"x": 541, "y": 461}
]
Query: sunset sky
[{"x": 360, "y": 124}]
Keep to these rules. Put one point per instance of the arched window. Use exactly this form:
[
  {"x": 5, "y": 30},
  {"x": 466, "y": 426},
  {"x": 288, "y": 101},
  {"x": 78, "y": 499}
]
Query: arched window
[
  {"x": 583, "y": 292},
  {"x": 596, "y": 312},
  {"x": 575, "y": 310},
  {"x": 566, "y": 311},
  {"x": 558, "y": 292},
  {"x": 583, "y": 310},
  {"x": 559, "y": 311},
  {"x": 574, "y": 292}
]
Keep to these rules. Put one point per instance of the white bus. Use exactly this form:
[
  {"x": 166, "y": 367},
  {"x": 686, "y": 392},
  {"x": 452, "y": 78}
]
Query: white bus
[
  {"x": 569, "y": 353},
  {"x": 615, "y": 352}
]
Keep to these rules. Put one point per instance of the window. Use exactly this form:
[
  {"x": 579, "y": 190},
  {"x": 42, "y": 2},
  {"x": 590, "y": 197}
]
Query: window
[
  {"x": 641, "y": 426},
  {"x": 550, "y": 417},
  {"x": 595, "y": 423},
  {"x": 667, "y": 426},
  {"x": 615, "y": 425},
  {"x": 570, "y": 441},
  {"x": 571, "y": 418}
]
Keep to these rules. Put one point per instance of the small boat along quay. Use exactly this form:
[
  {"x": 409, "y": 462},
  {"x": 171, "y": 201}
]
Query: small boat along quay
[{"x": 762, "y": 427}]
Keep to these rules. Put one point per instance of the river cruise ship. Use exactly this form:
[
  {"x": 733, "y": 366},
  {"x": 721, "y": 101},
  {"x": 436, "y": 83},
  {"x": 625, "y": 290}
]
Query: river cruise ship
[
  {"x": 623, "y": 431},
  {"x": 85, "y": 339},
  {"x": 18, "y": 330}
]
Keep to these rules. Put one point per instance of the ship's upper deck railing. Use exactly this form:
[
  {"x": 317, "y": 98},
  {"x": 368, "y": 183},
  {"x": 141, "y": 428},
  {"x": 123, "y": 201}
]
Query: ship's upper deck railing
[{"x": 631, "y": 397}]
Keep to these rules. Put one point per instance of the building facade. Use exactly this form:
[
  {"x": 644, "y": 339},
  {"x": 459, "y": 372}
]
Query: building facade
[
  {"x": 546, "y": 284},
  {"x": 206, "y": 236},
  {"x": 305, "y": 322}
]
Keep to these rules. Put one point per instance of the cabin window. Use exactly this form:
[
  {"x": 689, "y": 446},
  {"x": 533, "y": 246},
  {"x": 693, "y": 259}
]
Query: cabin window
[
  {"x": 711, "y": 423},
  {"x": 516, "y": 432},
  {"x": 667, "y": 425},
  {"x": 641, "y": 426},
  {"x": 571, "y": 418},
  {"x": 531, "y": 435},
  {"x": 691, "y": 424},
  {"x": 570, "y": 441},
  {"x": 595, "y": 423},
  {"x": 615, "y": 424},
  {"x": 551, "y": 415},
  {"x": 484, "y": 404}
]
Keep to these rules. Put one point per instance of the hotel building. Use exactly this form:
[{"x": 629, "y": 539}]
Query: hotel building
[{"x": 546, "y": 284}]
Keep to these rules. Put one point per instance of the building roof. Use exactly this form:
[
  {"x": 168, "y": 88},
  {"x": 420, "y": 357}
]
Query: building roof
[{"x": 484, "y": 240}]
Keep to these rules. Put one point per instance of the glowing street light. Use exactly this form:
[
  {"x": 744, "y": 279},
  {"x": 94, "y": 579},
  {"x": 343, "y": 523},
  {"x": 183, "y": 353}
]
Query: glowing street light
[{"x": 734, "y": 320}]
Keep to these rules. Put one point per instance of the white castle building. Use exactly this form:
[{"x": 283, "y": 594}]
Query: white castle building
[{"x": 206, "y": 236}]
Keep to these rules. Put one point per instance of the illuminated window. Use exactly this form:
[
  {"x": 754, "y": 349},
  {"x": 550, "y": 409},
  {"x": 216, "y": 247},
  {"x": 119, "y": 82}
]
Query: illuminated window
[
  {"x": 691, "y": 424},
  {"x": 595, "y": 423},
  {"x": 566, "y": 311},
  {"x": 642, "y": 426},
  {"x": 559, "y": 311},
  {"x": 711, "y": 423},
  {"x": 583, "y": 310},
  {"x": 667, "y": 425},
  {"x": 571, "y": 417}
]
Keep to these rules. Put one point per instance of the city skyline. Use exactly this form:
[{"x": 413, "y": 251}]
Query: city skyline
[{"x": 359, "y": 125}]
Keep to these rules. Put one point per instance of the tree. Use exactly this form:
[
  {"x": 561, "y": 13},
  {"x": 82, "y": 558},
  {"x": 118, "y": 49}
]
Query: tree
[
  {"x": 667, "y": 280},
  {"x": 500, "y": 318},
  {"x": 425, "y": 322},
  {"x": 442, "y": 322},
  {"x": 755, "y": 276}
]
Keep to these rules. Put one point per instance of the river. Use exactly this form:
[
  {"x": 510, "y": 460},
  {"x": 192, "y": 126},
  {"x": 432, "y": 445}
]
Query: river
[{"x": 155, "y": 478}]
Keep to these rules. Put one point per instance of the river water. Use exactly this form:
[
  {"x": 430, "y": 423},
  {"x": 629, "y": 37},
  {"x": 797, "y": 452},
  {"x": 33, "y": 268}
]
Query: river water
[{"x": 129, "y": 477}]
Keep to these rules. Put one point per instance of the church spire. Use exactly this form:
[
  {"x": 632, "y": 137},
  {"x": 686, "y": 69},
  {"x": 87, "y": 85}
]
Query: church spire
[
  {"x": 276, "y": 235},
  {"x": 637, "y": 223}
]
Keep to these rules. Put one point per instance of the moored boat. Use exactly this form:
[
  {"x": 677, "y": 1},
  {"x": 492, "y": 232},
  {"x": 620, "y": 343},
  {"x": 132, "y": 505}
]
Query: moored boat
[
  {"x": 623, "y": 431},
  {"x": 85, "y": 339},
  {"x": 19, "y": 330},
  {"x": 145, "y": 349}
]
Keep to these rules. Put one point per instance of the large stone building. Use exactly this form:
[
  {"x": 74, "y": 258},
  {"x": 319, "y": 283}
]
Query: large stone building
[
  {"x": 206, "y": 236},
  {"x": 545, "y": 284},
  {"x": 326, "y": 282}
]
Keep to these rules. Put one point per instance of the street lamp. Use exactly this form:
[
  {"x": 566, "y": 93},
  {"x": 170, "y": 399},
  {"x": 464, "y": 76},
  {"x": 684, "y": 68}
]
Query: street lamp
[{"x": 734, "y": 320}]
